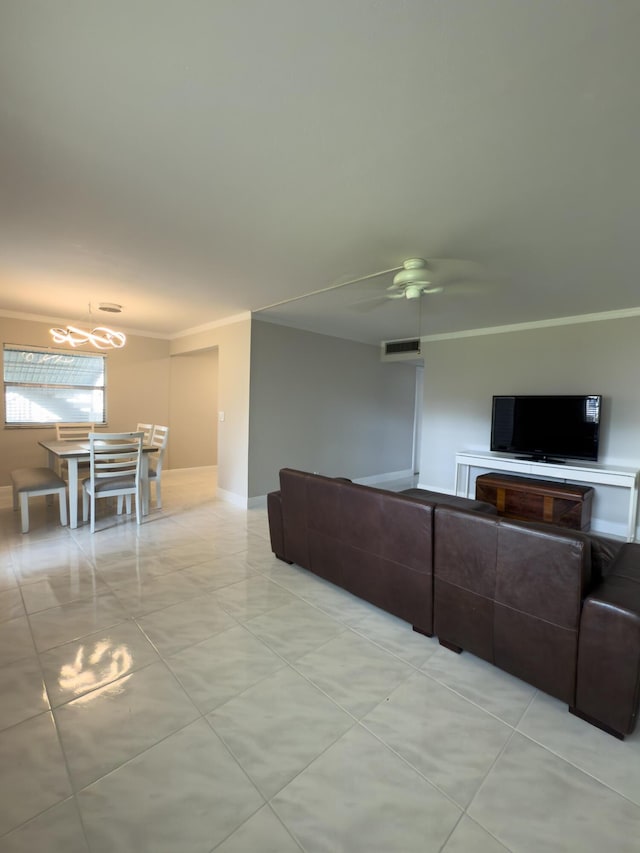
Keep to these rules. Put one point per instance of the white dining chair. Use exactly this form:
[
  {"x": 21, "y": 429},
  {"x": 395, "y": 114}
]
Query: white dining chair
[
  {"x": 73, "y": 432},
  {"x": 147, "y": 429},
  {"x": 159, "y": 439},
  {"x": 115, "y": 462}
]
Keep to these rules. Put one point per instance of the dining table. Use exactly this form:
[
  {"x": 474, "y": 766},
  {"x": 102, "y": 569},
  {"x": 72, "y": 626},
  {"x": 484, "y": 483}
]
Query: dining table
[{"x": 74, "y": 452}]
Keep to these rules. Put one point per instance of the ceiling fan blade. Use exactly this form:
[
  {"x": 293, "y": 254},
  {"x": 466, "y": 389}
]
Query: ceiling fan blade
[
  {"x": 369, "y": 304},
  {"x": 466, "y": 287}
]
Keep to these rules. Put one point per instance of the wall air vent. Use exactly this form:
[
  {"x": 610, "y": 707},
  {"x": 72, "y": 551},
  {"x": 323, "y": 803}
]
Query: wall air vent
[
  {"x": 408, "y": 350},
  {"x": 394, "y": 347}
]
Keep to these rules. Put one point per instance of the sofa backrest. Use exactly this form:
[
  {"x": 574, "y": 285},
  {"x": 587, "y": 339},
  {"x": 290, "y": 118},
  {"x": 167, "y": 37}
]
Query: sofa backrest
[
  {"x": 375, "y": 543},
  {"x": 293, "y": 491},
  {"x": 512, "y": 594}
]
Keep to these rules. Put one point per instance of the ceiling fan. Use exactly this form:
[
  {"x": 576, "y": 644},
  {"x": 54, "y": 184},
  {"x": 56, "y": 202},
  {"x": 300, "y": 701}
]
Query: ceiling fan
[{"x": 412, "y": 280}]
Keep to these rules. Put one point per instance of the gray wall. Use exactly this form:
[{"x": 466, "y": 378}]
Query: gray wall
[
  {"x": 325, "y": 404},
  {"x": 462, "y": 374}
]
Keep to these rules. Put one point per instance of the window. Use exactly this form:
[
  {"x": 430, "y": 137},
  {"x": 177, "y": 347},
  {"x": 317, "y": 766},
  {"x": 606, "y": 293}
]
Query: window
[{"x": 44, "y": 386}]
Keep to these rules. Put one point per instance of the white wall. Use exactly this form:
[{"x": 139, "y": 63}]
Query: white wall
[
  {"x": 325, "y": 404},
  {"x": 233, "y": 343},
  {"x": 462, "y": 374},
  {"x": 193, "y": 409}
]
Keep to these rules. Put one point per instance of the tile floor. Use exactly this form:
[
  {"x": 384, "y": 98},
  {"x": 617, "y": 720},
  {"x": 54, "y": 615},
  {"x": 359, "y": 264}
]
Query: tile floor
[{"x": 176, "y": 689}]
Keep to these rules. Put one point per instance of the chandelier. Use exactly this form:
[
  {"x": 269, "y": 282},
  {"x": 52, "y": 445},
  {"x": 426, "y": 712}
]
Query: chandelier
[{"x": 101, "y": 337}]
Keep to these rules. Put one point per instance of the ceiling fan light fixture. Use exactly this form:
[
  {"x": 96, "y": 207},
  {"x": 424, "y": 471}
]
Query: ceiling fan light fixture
[{"x": 413, "y": 291}]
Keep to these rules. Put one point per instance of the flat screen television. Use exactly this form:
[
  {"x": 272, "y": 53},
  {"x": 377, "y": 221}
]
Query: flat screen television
[{"x": 547, "y": 429}]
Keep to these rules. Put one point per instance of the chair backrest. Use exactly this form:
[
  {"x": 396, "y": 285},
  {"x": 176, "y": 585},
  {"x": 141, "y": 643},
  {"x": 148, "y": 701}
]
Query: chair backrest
[
  {"x": 159, "y": 439},
  {"x": 74, "y": 432},
  {"x": 115, "y": 456},
  {"x": 147, "y": 429},
  {"x": 160, "y": 436}
]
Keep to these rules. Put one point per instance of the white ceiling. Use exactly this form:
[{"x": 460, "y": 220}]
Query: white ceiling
[{"x": 192, "y": 160}]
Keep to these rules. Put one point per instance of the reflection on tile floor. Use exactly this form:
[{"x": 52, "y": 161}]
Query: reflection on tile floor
[{"x": 175, "y": 688}]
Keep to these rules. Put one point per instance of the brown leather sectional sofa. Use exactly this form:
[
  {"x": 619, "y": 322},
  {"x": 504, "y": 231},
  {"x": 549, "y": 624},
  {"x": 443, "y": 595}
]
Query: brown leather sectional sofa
[{"x": 557, "y": 608}]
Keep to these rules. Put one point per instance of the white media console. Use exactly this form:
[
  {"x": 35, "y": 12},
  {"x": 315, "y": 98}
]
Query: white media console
[{"x": 624, "y": 478}]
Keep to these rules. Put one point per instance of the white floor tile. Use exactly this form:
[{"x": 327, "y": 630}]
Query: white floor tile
[
  {"x": 487, "y": 686},
  {"x": 278, "y": 727},
  {"x": 193, "y": 676},
  {"x": 11, "y": 606},
  {"x": 613, "y": 762},
  {"x": 185, "y": 794},
  {"x": 33, "y": 775},
  {"x": 22, "y": 692},
  {"x": 264, "y": 832},
  {"x": 249, "y": 598},
  {"x": 95, "y": 660},
  {"x": 469, "y": 837},
  {"x": 361, "y": 798},
  {"x": 532, "y": 800},
  {"x": 59, "y": 625},
  {"x": 58, "y": 830},
  {"x": 294, "y": 629},
  {"x": 354, "y": 672},
  {"x": 452, "y": 742},
  {"x": 108, "y": 726},
  {"x": 216, "y": 670},
  {"x": 16, "y": 640},
  {"x": 184, "y": 624}
]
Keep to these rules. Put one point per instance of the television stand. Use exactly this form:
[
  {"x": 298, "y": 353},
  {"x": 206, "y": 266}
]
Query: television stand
[
  {"x": 548, "y": 459},
  {"x": 623, "y": 478}
]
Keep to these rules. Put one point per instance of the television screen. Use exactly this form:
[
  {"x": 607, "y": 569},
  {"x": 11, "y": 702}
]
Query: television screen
[{"x": 547, "y": 428}]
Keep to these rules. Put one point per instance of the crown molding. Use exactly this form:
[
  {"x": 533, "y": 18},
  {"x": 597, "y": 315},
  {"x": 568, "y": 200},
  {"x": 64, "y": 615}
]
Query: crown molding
[
  {"x": 214, "y": 324},
  {"x": 620, "y": 314}
]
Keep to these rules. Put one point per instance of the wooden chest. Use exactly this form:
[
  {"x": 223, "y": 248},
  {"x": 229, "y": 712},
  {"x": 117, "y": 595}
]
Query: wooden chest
[{"x": 528, "y": 499}]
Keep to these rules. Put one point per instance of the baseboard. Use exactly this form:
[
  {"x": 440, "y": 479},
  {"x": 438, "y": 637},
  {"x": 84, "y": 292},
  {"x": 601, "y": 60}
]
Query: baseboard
[
  {"x": 429, "y": 488},
  {"x": 232, "y": 498},
  {"x": 212, "y": 468},
  {"x": 258, "y": 502},
  {"x": 384, "y": 478}
]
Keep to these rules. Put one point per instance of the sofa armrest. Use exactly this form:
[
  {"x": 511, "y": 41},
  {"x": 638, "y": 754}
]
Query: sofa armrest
[
  {"x": 608, "y": 677},
  {"x": 456, "y": 501},
  {"x": 604, "y": 555},
  {"x": 276, "y": 527}
]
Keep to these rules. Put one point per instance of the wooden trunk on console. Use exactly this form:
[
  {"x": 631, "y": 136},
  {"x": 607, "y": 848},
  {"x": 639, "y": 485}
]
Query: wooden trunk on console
[{"x": 528, "y": 499}]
